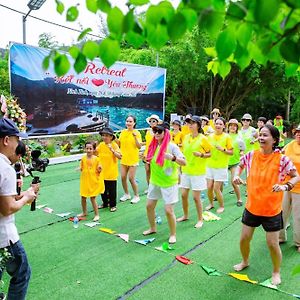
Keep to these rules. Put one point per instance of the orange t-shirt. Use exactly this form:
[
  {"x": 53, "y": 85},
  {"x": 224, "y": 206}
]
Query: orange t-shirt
[
  {"x": 292, "y": 151},
  {"x": 265, "y": 170}
]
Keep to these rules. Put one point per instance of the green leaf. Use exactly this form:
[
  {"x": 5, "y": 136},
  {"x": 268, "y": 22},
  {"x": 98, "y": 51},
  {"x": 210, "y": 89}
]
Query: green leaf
[
  {"x": 293, "y": 3},
  {"x": 296, "y": 270},
  {"x": 109, "y": 51},
  {"x": 46, "y": 62},
  {"x": 157, "y": 36},
  {"x": 291, "y": 70},
  {"x": 265, "y": 10},
  {"x": 83, "y": 34},
  {"x": 72, "y": 13},
  {"x": 236, "y": 10},
  {"x": 177, "y": 27},
  {"x": 139, "y": 2},
  {"x": 211, "y": 21},
  {"x": 90, "y": 49},
  {"x": 128, "y": 21},
  {"x": 289, "y": 51},
  {"x": 244, "y": 34},
  {"x": 256, "y": 54},
  {"x": 162, "y": 12},
  {"x": 211, "y": 51},
  {"x": 225, "y": 44},
  {"x": 104, "y": 5},
  {"x": 59, "y": 7},
  {"x": 80, "y": 63},
  {"x": 134, "y": 39},
  {"x": 74, "y": 51},
  {"x": 199, "y": 5},
  {"x": 91, "y": 5},
  {"x": 115, "y": 19},
  {"x": 190, "y": 17},
  {"x": 61, "y": 64},
  {"x": 224, "y": 68},
  {"x": 213, "y": 66}
]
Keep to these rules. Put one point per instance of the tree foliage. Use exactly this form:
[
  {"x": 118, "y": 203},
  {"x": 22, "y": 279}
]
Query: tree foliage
[{"x": 245, "y": 31}]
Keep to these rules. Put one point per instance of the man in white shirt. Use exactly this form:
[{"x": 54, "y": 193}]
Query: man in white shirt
[{"x": 17, "y": 266}]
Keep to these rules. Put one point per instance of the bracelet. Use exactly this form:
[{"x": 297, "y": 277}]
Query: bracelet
[
  {"x": 224, "y": 150},
  {"x": 201, "y": 155},
  {"x": 289, "y": 186},
  {"x": 174, "y": 158}
]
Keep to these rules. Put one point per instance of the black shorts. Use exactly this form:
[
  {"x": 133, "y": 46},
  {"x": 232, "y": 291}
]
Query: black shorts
[{"x": 269, "y": 224}]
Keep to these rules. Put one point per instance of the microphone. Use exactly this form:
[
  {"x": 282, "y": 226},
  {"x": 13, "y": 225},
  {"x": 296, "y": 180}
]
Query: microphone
[{"x": 18, "y": 173}]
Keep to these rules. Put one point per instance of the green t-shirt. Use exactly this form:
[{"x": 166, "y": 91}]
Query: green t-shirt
[
  {"x": 238, "y": 146},
  {"x": 167, "y": 175},
  {"x": 195, "y": 165}
]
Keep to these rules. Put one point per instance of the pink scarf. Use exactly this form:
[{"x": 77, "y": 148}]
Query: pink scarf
[{"x": 163, "y": 148}]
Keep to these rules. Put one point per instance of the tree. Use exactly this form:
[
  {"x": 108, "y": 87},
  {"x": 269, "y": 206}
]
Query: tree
[
  {"x": 4, "y": 82},
  {"x": 246, "y": 30},
  {"x": 46, "y": 40}
]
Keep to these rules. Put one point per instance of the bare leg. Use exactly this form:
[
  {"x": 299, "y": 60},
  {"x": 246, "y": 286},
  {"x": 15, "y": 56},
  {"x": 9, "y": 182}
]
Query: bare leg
[
  {"x": 185, "y": 205},
  {"x": 275, "y": 251},
  {"x": 151, "y": 204},
  {"x": 124, "y": 172},
  {"x": 210, "y": 193},
  {"x": 83, "y": 205},
  {"x": 246, "y": 237},
  {"x": 95, "y": 207},
  {"x": 217, "y": 189},
  {"x": 286, "y": 211},
  {"x": 236, "y": 188},
  {"x": 147, "y": 169},
  {"x": 198, "y": 204},
  {"x": 131, "y": 173},
  {"x": 169, "y": 209}
]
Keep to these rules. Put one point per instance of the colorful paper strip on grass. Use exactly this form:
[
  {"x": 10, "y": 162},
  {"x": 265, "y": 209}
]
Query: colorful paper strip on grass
[
  {"x": 184, "y": 260},
  {"x": 107, "y": 230},
  {"x": 268, "y": 283},
  {"x": 124, "y": 237},
  {"x": 210, "y": 271},
  {"x": 209, "y": 216},
  {"x": 242, "y": 277},
  {"x": 164, "y": 247},
  {"x": 145, "y": 242}
]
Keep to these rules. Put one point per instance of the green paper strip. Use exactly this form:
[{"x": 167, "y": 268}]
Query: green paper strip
[{"x": 210, "y": 271}]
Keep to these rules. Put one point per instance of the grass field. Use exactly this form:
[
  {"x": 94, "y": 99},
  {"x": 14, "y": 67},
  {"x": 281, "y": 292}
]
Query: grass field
[{"x": 85, "y": 263}]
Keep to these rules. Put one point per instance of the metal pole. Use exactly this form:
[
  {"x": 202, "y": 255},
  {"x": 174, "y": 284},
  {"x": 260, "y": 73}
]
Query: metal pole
[
  {"x": 211, "y": 96},
  {"x": 24, "y": 26},
  {"x": 157, "y": 58}
]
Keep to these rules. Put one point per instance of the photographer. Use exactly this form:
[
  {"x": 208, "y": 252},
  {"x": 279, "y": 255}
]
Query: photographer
[{"x": 17, "y": 267}]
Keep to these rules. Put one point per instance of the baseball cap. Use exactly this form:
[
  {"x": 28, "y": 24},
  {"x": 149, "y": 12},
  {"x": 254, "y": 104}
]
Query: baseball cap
[
  {"x": 107, "y": 130},
  {"x": 196, "y": 119},
  {"x": 177, "y": 122},
  {"x": 247, "y": 117},
  {"x": 163, "y": 126},
  {"x": 9, "y": 128}
]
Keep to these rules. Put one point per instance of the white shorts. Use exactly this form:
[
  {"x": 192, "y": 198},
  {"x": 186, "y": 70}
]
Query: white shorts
[
  {"x": 194, "y": 182},
  {"x": 217, "y": 174},
  {"x": 168, "y": 194}
]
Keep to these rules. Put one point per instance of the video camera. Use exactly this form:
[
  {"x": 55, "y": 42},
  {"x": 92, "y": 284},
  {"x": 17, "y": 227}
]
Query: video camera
[{"x": 37, "y": 164}]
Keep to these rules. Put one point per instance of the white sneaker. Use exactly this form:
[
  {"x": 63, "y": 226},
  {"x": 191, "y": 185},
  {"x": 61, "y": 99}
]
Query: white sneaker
[
  {"x": 135, "y": 200},
  {"x": 146, "y": 191},
  {"x": 125, "y": 197}
]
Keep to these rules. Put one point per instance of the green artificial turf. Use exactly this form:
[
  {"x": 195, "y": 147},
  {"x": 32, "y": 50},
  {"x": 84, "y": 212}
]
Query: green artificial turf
[{"x": 85, "y": 263}]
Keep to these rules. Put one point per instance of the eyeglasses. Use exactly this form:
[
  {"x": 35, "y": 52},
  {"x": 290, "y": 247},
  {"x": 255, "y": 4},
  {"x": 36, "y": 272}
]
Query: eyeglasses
[
  {"x": 153, "y": 121},
  {"x": 247, "y": 120},
  {"x": 159, "y": 131}
]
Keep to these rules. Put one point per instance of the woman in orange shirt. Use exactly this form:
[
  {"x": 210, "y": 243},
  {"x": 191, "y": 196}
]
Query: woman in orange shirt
[{"x": 266, "y": 171}]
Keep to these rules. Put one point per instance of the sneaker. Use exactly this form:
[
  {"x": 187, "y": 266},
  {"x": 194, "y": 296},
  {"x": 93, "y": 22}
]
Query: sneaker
[
  {"x": 146, "y": 191},
  {"x": 2, "y": 296},
  {"x": 125, "y": 197},
  {"x": 135, "y": 200}
]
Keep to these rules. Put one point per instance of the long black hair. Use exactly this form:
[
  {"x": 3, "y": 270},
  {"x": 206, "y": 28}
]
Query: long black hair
[{"x": 134, "y": 119}]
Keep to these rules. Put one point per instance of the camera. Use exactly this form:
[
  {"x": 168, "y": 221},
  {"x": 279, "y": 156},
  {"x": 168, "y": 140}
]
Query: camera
[{"x": 37, "y": 164}]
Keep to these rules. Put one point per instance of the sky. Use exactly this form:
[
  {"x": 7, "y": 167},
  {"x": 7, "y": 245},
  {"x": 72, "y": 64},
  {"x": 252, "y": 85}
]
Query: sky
[{"x": 11, "y": 25}]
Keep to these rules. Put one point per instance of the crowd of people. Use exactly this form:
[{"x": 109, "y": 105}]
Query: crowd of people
[{"x": 195, "y": 155}]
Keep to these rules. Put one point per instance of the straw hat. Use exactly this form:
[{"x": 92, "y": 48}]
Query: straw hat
[
  {"x": 155, "y": 117},
  {"x": 216, "y": 110},
  {"x": 233, "y": 121},
  {"x": 247, "y": 117}
]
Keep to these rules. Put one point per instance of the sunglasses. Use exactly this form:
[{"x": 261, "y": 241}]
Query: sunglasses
[
  {"x": 159, "y": 131},
  {"x": 153, "y": 121},
  {"x": 247, "y": 120}
]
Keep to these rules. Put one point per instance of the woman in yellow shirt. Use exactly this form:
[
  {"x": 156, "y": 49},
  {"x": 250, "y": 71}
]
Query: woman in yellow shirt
[
  {"x": 176, "y": 134},
  {"x": 130, "y": 143},
  {"x": 109, "y": 153}
]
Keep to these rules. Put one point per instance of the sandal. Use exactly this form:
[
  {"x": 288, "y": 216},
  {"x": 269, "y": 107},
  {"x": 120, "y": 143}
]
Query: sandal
[
  {"x": 113, "y": 209},
  {"x": 102, "y": 206},
  {"x": 239, "y": 203}
]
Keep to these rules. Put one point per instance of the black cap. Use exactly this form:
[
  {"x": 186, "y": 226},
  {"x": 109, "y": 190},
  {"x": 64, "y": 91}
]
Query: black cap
[
  {"x": 163, "y": 126},
  {"x": 9, "y": 128},
  {"x": 177, "y": 122},
  {"x": 107, "y": 130},
  {"x": 196, "y": 119}
]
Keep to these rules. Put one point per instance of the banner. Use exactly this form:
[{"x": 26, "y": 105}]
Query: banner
[{"x": 87, "y": 101}]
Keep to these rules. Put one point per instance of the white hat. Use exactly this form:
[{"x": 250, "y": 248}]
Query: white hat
[{"x": 155, "y": 117}]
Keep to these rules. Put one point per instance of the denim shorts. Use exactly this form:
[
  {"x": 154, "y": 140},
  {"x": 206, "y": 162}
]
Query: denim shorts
[{"x": 269, "y": 224}]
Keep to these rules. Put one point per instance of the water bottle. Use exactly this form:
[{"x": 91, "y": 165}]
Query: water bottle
[
  {"x": 158, "y": 220},
  {"x": 75, "y": 222}
]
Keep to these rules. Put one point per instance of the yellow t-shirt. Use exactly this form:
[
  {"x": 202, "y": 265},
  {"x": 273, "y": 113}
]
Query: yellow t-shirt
[
  {"x": 148, "y": 137},
  {"x": 108, "y": 160},
  {"x": 292, "y": 151},
  {"x": 195, "y": 165},
  {"x": 219, "y": 159},
  {"x": 185, "y": 129},
  {"x": 129, "y": 150},
  {"x": 212, "y": 124},
  {"x": 177, "y": 138}
]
